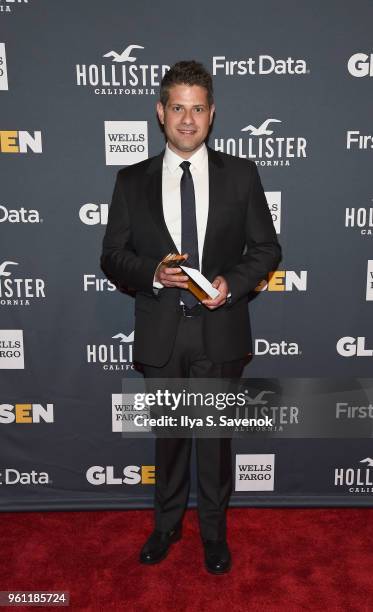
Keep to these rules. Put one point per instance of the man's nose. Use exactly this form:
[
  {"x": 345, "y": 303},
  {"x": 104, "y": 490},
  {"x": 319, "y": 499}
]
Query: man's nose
[{"x": 187, "y": 117}]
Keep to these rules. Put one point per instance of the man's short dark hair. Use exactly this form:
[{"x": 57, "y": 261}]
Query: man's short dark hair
[{"x": 186, "y": 73}]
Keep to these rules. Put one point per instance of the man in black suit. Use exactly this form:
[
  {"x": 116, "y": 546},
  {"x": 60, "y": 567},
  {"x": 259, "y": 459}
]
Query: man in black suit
[{"x": 190, "y": 199}]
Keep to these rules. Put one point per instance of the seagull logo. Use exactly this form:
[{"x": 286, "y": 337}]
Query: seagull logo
[
  {"x": 4, "y": 265},
  {"x": 125, "y": 56},
  {"x": 262, "y": 130},
  {"x": 124, "y": 338},
  {"x": 258, "y": 399},
  {"x": 368, "y": 461}
]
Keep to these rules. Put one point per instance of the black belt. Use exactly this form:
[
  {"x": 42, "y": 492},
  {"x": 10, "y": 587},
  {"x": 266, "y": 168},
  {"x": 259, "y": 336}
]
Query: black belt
[{"x": 189, "y": 313}]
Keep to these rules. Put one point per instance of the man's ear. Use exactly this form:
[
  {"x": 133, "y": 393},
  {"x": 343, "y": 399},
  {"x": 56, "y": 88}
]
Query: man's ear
[
  {"x": 212, "y": 111},
  {"x": 160, "y": 112}
]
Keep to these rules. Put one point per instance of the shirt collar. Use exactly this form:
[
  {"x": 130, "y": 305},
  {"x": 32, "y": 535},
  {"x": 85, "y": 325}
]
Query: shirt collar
[{"x": 197, "y": 160}]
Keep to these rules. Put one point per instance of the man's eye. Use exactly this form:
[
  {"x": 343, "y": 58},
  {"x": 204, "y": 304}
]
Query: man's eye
[
  {"x": 199, "y": 109},
  {"x": 177, "y": 108}
]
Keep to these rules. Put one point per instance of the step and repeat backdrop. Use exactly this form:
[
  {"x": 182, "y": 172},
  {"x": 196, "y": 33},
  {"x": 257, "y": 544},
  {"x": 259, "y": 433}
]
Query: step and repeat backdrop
[{"x": 79, "y": 81}]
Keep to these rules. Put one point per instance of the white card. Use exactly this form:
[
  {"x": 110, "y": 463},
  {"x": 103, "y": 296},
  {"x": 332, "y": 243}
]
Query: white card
[{"x": 201, "y": 281}]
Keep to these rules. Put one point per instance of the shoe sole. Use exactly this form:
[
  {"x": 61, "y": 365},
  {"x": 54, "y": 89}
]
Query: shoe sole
[
  {"x": 172, "y": 541},
  {"x": 217, "y": 573}
]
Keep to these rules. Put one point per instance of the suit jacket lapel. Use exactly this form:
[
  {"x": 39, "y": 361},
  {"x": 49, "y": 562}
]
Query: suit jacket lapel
[
  {"x": 154, "y": 196},
  {"x": 216, "y": 198}
]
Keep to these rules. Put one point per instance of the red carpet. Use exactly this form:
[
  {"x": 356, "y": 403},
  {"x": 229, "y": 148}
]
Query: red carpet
[{"x": 313, "y": 559}]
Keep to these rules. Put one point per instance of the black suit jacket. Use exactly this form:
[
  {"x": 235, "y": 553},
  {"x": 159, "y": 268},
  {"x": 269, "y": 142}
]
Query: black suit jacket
[{"x": 240, "y": 244}]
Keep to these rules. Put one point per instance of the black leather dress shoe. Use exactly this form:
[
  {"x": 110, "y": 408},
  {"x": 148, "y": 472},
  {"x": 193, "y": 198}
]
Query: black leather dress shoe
[
  {"x": 157, "y": 546},
  {"x": 217, "y": 557}
]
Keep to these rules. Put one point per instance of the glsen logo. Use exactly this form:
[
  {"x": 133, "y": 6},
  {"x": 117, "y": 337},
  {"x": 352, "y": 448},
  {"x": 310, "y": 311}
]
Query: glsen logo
[
  {"x": 19, "y": 290},
  {"x": 348, "y": 346},
  {"x": 6, "y": 6},
  {"x": 263, "y": 64},
  {"x": 126, "y": 142},
  {"x": 21, "y": 215},
  {"x": 358, "y": 480},
  {"x": 3, "y": 69},
  {"x": 369, "y": 293},
  {"x": 94, "y": 214},
  {"x": 113, "y": 357},
  {"x": 355, "y": 140},
  {"x": 11, "y": 349},
  {"x": 262, "y": 147},
  {"x": 12, "y": 141},
  {"x": 274, "y": 205},
  {"x": 360, "y": 65},
  {"x": 263, "y": 347},
  {"x": 129, "y": 475},
  {"x": 99, "y": 285},
  {"x": 123, "y": 413},
  {"x": 361, "y": 218},
  {"x": 284, "y": 280},
  {"x": 123, "y": 76},
  {"x": 26, "y": 413},
  {"x": 10, "y": 476},
  {"x": 255, "y": 472}
]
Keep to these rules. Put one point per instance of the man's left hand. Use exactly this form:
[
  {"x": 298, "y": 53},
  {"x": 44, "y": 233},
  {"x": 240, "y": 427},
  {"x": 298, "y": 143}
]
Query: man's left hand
[{"x": 221, "y": 285}]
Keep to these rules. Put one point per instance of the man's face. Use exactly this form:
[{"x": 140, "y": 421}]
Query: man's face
[{"x": 186, "y": 118}]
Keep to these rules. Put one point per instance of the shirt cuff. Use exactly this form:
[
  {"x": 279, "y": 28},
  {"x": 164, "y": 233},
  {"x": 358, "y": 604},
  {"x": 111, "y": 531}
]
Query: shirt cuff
[{"x": 156, "y": 284}]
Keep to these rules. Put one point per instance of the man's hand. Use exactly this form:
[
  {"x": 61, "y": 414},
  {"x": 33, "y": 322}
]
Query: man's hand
[
  {"x": 221, "y": 285},
  {"x": 171, "y": 277}
]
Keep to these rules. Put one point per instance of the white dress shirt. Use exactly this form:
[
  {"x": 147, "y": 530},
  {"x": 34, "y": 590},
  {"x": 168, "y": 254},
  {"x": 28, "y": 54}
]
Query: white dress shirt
[{"x": 171, "y": 176}]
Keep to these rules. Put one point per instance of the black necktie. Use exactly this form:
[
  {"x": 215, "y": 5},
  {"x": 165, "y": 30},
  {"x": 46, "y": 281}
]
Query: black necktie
[{"x": 189, "y": 237}]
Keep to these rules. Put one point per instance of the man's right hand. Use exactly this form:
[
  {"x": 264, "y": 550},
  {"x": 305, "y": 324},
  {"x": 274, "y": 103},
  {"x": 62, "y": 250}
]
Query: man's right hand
[{"x": 171, "y": 277}]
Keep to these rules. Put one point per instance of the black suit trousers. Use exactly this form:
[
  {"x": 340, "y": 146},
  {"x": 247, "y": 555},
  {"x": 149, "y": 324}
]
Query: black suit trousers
[{"x": 172, "y": 455}]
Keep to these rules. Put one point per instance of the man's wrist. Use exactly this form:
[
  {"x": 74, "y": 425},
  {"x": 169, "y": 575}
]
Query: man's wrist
[{"x": 156, "y": 282}]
